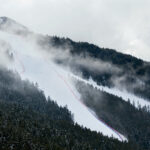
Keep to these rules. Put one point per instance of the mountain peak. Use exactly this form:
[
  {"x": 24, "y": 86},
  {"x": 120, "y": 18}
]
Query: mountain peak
[{"x": 11, "y": 26}]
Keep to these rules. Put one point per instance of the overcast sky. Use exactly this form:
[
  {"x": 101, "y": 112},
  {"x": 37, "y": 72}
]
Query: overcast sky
[{"x": 120, "y": 24}]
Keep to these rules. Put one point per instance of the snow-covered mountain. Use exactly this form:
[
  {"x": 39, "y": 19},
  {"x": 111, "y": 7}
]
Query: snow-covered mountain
[
  {"x": 48, "y": 66},
  {"x": 11, "y": 26},
  {"x": 35, "y": 66}
]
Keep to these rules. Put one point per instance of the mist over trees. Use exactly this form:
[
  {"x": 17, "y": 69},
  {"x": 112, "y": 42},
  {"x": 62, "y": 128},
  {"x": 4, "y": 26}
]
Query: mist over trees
[
  {"x": 134, "y": 74},
  {"x": 29, "y": 120},
  {"x": 132, "y": 122}
]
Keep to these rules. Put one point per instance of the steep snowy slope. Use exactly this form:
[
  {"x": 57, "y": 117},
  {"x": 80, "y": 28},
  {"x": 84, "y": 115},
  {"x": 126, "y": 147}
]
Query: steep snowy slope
[{"x": 34, "y": 65}]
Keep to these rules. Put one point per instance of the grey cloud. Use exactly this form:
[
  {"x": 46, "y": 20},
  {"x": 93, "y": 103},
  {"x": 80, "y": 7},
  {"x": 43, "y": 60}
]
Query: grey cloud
[
  {"x": 5, "y": 53},
  {"x": 123, "y": 25}
]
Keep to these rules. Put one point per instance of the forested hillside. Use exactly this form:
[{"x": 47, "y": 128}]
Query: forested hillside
[
  {"x": 122, "y": 116},
  {"x": 106, "y": 66},
  {"x": 28, "y": 120}
]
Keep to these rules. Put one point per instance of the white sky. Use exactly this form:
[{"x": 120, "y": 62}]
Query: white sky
[{"x": 120, "y": 24}]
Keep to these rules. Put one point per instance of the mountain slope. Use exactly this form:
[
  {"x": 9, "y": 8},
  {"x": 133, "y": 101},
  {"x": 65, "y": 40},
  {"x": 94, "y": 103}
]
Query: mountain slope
[
  {"x": 51, "y": 61},
  {"x": 27, "y": 56},
  {"x": 105, "y": 66},
  {"x": 29, "y": 121},
  {"x": 130, "y": 73},
  {"x": 123, "y": 116}
]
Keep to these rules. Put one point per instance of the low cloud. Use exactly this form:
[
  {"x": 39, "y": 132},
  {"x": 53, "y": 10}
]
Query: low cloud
[
  {"x": 5, "y": 54},
  {"x": 122, "y": 25}
]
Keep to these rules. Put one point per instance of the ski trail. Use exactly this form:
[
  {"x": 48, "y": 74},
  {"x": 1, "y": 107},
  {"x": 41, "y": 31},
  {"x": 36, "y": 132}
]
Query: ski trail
[
  {"x": 31, "y": 66},
  {"x": 123, "y": 94},
  {"x": 119, "y": 134},
  {"x": 121, "y": 137}
]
